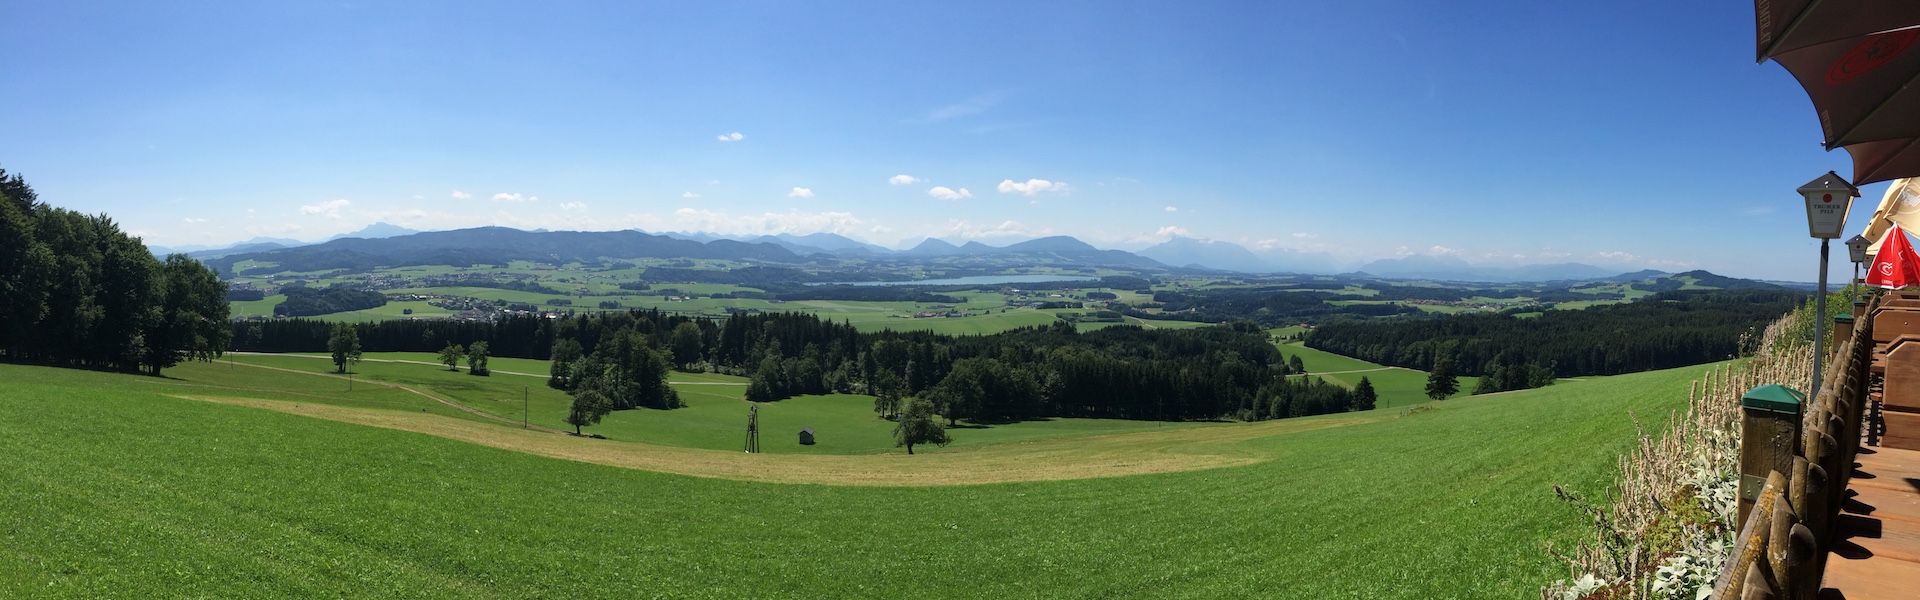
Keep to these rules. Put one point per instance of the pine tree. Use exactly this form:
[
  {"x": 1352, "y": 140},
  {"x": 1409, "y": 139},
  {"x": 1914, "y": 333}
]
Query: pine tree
[
  {"x": 1441, "y": 383},
  {"x": 1364, "y": 397}
]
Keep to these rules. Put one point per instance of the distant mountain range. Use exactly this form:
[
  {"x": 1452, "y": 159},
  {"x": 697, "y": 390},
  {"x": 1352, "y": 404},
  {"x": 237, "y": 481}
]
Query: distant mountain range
[
  {"x": 382, "y": 244},
  {"x": 1448, "y": 268},
  {"x": 1205, "y": 254},
  {"x": 261, "y": 244}
]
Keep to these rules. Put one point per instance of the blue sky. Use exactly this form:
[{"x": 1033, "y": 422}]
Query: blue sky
[{"x": 1630, "y": 134}]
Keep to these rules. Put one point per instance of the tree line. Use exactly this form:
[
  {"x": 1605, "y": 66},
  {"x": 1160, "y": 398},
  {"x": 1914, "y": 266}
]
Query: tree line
[
  {"x": 1666, "y": 330},
  {"x": 76, "y": 290},
  {"x": 1120, "y": 372}
]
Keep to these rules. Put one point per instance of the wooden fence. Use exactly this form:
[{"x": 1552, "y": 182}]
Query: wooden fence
[{"x": 1794, "y": 474}]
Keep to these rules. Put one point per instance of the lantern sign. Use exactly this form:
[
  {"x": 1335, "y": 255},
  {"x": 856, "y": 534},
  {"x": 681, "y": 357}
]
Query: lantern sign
[
  {"x": 1857, "y": 248},
  {"x": 1828, "y": 199}
]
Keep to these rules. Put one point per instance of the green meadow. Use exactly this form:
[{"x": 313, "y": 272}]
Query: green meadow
[
  {"x": 715, "y": 416},
  {"x": 116, "y": 486},
  {"x": 1396, "y": 386}
]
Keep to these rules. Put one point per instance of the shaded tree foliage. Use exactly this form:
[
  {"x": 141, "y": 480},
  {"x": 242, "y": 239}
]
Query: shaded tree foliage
[
  {"x": 1666, "y": 330},
  {"x": 918, "y": 426},
  {"x": 344, "y": 346},
  {"x": 76, "y": 290},
  {"x": 307, "y": 302},
  {"x": 589, "y": 406}
]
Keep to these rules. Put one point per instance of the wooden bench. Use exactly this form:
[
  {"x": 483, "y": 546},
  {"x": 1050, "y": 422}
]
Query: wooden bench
[
  {"x": 1900, "y": 393},
  {"x": 1889, "y": 324}
]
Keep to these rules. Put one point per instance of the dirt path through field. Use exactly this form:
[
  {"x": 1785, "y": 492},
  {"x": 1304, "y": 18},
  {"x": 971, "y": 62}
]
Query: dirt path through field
[
  {"x": 435, "y": 364},
  {"x": 422, "y": 393},
  {"x": 1112, "y": 455}
]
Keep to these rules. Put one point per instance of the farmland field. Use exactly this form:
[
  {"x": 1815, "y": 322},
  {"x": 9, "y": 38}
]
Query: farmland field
[
  {"x": 713, "y": 419},
  {"x": 1396, "y": 386},
  {"x": 119, "y": 487}
]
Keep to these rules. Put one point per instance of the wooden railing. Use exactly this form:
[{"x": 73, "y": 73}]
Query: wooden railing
[{"x": 1794, "y": 473}]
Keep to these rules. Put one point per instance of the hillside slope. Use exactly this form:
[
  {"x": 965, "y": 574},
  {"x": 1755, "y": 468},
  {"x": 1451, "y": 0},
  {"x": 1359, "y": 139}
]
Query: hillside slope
[{"x": 116, "y": 489}]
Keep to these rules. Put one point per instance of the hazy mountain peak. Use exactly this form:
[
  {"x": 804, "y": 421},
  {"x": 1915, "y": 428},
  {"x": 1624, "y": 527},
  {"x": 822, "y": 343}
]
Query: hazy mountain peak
[
  {"x": 377, "y": 231},
  {"x": 1211, "y": 254}
]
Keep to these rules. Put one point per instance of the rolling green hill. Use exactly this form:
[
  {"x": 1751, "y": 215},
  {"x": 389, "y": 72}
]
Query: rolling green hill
[{"x": 117, "y": 486}]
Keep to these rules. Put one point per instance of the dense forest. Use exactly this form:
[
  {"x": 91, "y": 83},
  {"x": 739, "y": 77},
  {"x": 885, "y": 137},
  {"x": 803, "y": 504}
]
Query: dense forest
[
  {"x": 306, "y": 302},
  {"x": 1265, "y": 305},
  {"x": 1119, "y": 372},
  {"x": 76, "y": 290},
  {"x": 1665, "y": 330}
]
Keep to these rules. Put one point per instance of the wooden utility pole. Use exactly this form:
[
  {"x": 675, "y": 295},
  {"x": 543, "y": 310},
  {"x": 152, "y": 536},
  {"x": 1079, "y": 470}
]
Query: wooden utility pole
[{"x": 753, "y": 429}]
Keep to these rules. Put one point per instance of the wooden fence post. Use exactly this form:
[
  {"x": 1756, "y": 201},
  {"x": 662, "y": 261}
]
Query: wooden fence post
[
  {"x": 1744, "y": 574},
  {"x": 1769, "y": 434}
]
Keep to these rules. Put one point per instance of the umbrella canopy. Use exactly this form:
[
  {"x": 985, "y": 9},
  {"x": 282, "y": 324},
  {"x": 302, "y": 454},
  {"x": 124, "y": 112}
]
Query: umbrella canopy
[
  {"x": 1895, "y": 266},
  {"x": 1900, "y": 206},
  {"x": 1858, "y": 63}
]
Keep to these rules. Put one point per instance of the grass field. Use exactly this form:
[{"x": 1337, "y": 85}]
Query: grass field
[
  {"x": 1396, "y": 386},
  {"x": 714, "y": 418},
  {"x": 116, "y": 488}
]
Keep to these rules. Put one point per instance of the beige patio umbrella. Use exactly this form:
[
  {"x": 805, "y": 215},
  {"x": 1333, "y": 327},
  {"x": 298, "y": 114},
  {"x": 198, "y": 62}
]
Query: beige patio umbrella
[{"x": 1900, "y": 205}]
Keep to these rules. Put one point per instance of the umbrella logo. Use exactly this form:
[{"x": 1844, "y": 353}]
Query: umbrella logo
[
  {"x": 1886, "y": 268},
  {"x": 1870, "y": 54}
]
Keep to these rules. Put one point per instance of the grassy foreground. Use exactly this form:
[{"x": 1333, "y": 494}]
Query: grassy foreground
[{"x": 114, "y": 488}]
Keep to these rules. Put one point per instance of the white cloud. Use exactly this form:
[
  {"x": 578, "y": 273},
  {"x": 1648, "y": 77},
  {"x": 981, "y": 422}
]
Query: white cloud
[
  {"x": 1173, "y": 209},
  {"x": 459, "y": 195},
  {"x": 732, "y": 137},
  {"x": 1032, "y": 187},
  {"x": 689, "y": 195},
  {"x": 1171, "y": 231},
  {"x": 800, "y": 192},
  {"x": 904, "y": 180},
  {"x": 419, "y": 197},
  {"x": 794, "y": 222},
  {"x": 1629, "y": 258},
  {"x": 330, "y": 208},
  {"x": 506, "y": 197},
  {"x": 1443, "y": 251},
  {"x": 572, "y": 206},
  {"x": 967, "y": 229},
  {"x": 1305, "y": 235},
  {"x": 945, "y": 193},
  {"x": 192, "y": 220}
]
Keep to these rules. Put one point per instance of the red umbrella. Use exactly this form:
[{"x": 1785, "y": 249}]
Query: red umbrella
[
  {"x": 1895, "y": 266},
  {"x": 1859, "y": 62}
]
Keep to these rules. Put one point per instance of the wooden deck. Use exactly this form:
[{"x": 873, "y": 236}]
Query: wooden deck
[{"x": 1876, "y": 548}]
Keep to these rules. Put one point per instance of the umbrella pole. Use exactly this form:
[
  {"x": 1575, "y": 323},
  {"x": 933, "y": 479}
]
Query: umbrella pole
[{"x": 1820, "y": 320}]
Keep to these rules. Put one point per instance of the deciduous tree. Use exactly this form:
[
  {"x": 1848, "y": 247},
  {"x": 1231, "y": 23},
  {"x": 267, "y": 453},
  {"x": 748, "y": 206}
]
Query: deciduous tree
[
  {"x": 560, "y": 371},
  {"x": 191, "y": 319},
  {"x": 588, "y": 407},
  {"x": 477, "y": 359},
  {"x": 452, "y": 355},
  {"x": 345, "y": 346},
  {"x": 918, "y": 426}
]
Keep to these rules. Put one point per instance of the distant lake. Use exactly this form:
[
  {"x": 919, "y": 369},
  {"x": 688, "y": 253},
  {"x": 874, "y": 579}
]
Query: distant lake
[{"x": 977, "y": 280}]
